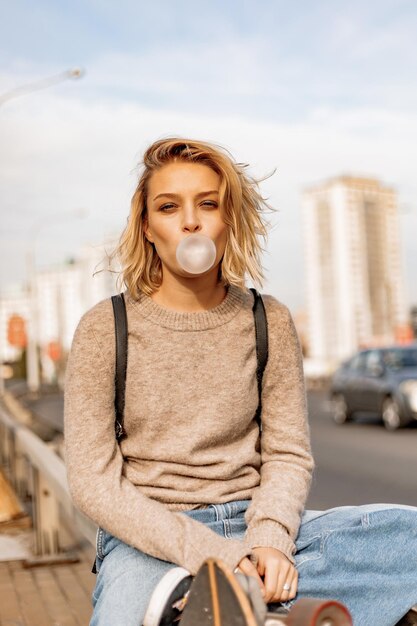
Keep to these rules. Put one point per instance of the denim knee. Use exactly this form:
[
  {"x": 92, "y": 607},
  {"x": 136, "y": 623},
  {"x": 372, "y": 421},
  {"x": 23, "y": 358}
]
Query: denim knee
[
  {"x": 125, "y": 581},
  {"x": 396, "y": 523}
]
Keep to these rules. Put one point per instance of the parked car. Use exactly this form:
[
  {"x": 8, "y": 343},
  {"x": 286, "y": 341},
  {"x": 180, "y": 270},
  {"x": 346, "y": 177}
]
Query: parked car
[{"x": 378, "y": 380}]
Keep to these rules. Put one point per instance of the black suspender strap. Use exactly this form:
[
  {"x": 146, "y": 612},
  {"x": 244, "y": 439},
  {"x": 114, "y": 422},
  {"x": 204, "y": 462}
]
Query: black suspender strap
[
  {"x": 120, "y": 323},
  {"x": 261, "y": 331}
]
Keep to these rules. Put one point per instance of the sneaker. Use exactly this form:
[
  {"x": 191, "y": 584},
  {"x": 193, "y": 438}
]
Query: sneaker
[{"x": 168, "y": 598}]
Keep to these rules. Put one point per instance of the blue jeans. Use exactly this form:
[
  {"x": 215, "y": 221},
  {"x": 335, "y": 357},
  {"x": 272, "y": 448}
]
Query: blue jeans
[{"x": 364, "y": 556}]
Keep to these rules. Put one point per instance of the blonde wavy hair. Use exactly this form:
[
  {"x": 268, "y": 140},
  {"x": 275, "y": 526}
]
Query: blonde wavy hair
[{"x": 243, "y": 205}]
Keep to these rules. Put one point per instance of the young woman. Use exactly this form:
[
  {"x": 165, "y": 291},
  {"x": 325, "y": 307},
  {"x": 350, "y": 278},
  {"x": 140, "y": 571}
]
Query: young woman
[{"x": 192, "y": 478}]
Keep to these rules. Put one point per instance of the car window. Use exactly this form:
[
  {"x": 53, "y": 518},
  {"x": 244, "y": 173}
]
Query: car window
[
  {"x": 358, "y": 363},
  {"x": 373, "y": 358},
  {"x": 397, "y": 358}
]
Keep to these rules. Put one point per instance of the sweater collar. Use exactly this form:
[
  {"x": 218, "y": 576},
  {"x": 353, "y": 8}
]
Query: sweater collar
[{"x": 196, "y": 320}]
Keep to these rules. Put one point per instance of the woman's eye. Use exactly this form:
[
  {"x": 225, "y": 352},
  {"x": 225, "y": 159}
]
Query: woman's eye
[{"x": 209, "y": 203}]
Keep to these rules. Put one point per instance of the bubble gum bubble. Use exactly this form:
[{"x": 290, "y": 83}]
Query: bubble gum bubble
[{"x": 196, "y": 253}]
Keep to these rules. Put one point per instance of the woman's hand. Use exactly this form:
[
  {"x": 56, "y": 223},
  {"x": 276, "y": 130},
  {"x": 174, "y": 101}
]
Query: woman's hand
[
  {"x": 276, "y": 570},
  {"x": 249, "y": 569}
]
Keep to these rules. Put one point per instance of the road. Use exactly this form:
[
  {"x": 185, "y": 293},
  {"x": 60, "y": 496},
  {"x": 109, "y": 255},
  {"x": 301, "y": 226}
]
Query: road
[
  {"x": 360, "y": 463},
  {"x": 356, "y": 463}
]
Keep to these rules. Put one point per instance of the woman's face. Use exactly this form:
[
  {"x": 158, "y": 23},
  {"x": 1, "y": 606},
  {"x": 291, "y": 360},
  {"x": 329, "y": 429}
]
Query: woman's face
[{"x": 183, "y": 198}]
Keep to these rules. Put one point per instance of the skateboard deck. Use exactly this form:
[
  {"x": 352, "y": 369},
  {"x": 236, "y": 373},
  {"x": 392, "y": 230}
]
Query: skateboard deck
[{"x": 217, "y": 599}]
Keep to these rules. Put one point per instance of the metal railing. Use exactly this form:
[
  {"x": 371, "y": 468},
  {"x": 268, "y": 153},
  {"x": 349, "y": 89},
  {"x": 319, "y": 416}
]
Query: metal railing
[{"x": 37, "y": 473}]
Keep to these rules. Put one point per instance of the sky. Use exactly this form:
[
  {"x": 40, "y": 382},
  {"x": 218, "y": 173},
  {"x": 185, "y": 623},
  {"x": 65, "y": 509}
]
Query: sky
[{"x": 304, "y": 91}]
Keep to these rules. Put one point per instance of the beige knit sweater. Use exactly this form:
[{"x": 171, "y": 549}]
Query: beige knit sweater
[{"x": 191, "y": 396}]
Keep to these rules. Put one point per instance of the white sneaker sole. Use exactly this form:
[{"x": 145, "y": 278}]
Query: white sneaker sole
[{"x": 161, "y": 593}]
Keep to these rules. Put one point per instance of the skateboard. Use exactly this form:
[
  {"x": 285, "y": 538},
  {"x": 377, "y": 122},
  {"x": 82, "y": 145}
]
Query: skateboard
[{"x": 216, "y": 598}]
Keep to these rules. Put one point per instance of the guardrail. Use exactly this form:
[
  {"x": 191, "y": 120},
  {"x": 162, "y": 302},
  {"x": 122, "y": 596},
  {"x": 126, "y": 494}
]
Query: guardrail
[{"x": 36, "y": 471}]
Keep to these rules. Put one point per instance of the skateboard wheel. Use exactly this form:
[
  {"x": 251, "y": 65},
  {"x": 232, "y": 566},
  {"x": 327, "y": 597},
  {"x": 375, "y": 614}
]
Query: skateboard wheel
[{"x": 316, "y": 612}]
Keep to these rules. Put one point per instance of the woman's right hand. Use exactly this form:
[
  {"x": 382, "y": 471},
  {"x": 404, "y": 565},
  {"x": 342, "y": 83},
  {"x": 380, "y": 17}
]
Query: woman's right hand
[{"x": 249, "y": 569}]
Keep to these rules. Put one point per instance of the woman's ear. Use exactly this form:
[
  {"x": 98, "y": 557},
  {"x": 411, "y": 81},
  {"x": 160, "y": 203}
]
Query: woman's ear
[{"x": 146, "y": 229}]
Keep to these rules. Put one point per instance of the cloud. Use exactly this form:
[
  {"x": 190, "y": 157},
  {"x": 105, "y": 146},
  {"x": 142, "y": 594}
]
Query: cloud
[
  {"x": 279, "y": 63},
  {"x": 63, "y": 153}
]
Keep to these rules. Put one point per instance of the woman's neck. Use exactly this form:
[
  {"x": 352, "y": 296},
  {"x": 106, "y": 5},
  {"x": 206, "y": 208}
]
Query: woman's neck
[{"x": 185, "y": 300}]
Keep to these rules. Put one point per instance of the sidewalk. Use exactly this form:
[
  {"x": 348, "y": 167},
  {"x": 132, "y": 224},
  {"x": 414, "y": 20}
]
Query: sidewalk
[{"x": 47, "y": 596}]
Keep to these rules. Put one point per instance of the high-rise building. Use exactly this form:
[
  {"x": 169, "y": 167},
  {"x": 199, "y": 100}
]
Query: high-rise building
[
  {"x": 66, "y": 291},
  {"x": 353, "y": 263}
]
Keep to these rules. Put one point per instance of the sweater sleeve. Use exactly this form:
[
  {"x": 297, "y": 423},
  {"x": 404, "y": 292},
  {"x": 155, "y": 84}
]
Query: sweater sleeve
[
  {"x": 274, "y": 515},
  {"x": 95, "y": 469}
]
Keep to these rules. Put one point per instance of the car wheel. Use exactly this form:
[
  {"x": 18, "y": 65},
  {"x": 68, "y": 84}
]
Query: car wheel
[
  {"x": 340, "y": 411},
  {"x": 391, "y": 414}
]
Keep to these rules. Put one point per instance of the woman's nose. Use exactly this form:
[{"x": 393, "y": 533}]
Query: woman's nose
[{"x": 191, "y": 220}]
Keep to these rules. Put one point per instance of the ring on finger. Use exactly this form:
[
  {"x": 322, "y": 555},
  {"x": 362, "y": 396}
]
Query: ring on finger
[{"x": 286, "y": 587}]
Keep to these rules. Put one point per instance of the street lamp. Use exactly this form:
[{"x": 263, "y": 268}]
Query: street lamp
[
  {"x": 72, "y": 74},
  {"x": 32, "y": 364}
]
